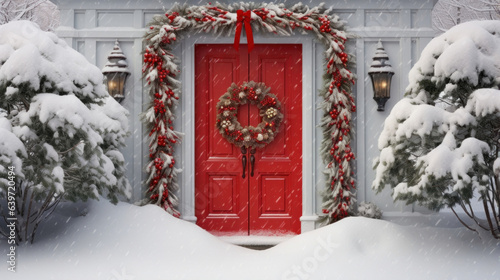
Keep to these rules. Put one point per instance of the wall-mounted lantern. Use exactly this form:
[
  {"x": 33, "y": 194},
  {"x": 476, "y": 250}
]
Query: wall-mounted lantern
[
  {"x": 116, "y": 73},
  {"x": 381, "y": 74}
]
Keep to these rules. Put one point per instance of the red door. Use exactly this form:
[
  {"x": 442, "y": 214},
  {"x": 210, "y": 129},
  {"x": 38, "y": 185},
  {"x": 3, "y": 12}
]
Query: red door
[{"x": 270, "y": 202}]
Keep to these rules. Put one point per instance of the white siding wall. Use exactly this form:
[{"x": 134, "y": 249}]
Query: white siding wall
[{"x": 403, "y": 26}]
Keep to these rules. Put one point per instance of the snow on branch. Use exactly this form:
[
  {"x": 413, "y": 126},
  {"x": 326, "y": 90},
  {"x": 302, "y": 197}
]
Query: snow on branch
[
  {"x": 42, "y": 12},
  {"x": 448, "y": 13}
]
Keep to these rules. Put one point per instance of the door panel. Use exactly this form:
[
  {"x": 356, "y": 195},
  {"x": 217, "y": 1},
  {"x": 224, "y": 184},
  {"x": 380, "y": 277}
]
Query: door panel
[
  {"x": 221, "y": 195},
  {"x": 270, "y": 201},
  {"x": 273, "y": 193},
  {"x": 279, "y": 164},
  {"x": 222, "y": 186}
]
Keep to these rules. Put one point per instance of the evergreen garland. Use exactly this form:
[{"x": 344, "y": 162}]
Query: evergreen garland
[{"x": 160, "y": 71}]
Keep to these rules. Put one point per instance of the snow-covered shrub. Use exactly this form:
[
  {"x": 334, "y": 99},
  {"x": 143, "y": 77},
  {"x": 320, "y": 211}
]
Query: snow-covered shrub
[
  {"x": 440, "y": 144},
  {"x": 60, "y": 130},
  {"x": 369, "y": 210}
]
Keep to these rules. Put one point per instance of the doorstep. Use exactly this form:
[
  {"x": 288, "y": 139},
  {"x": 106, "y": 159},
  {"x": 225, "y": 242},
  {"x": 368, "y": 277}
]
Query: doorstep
[{"x": 255, "y": 241}]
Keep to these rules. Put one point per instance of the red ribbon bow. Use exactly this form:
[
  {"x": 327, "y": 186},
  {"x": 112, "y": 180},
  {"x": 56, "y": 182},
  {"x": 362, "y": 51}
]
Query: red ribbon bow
[{"x": 243, "y": 18}]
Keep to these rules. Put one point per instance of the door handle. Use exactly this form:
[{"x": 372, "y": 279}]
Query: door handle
[
  {"x": 252, "y": 161},
  {"x": 244, "y": 160}
]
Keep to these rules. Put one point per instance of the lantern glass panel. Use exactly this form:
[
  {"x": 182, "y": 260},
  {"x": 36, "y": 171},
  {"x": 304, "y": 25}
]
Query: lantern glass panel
[
  {"x": 381, "y": 84},
  {"x": 115, "y": 84}
]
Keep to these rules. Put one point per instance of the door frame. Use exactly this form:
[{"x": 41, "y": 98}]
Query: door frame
[{"x": 310, "y": 147}]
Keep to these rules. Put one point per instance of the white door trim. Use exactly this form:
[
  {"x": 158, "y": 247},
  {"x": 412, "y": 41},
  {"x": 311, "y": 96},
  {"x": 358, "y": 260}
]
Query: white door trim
[{"x": 309, "y": 148}]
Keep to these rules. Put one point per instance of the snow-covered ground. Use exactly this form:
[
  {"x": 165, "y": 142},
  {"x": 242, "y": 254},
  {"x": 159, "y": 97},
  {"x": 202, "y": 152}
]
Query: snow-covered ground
[{"x": 98, "y": 240}]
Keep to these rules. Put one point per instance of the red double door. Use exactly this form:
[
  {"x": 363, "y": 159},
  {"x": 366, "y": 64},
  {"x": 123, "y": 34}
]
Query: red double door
[{"x": 270, "y": 201}]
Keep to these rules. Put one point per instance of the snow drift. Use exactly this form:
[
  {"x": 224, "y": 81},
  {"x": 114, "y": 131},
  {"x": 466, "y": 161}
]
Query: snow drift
[{"x": 98, "y": 240}]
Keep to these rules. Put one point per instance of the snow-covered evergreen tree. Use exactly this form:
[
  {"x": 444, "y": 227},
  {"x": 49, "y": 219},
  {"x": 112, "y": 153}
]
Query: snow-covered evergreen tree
[
  {"x": 60, "y": 130},
  {"x": 440, "y": 145},
  {"x": 448, "y": 13},
  {"x": 43, "y": 12}
]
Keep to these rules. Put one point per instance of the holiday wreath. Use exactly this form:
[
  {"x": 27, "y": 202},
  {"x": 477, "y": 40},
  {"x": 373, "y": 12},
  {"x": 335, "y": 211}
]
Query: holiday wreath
[
  {"x": 269, "y": 109},
  {"x": 161, "y": 70}
]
